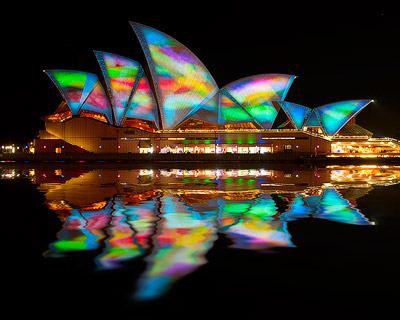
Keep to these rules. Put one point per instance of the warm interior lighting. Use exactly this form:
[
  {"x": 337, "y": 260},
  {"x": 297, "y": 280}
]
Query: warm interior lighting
[
  {"x": 94, "y": 115},
  {"x": 140, "y": 124}
]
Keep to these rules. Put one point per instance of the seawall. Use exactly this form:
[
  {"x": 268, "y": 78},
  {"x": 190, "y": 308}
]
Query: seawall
[{"x": 301, "y": 158}]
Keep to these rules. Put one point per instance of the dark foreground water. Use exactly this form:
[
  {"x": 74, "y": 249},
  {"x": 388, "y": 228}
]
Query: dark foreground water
[{"x": 251, "y": 241}]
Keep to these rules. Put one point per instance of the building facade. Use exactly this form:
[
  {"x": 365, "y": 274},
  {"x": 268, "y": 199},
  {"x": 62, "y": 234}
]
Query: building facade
[{"x": 177, "y": 107}]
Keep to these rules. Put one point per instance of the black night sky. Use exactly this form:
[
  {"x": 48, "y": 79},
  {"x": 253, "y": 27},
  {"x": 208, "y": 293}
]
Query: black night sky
[{"x": 337, "y": 51}]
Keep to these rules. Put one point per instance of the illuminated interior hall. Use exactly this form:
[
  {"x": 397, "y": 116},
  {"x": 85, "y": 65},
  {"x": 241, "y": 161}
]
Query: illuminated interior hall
[{"x": 173, "y": 105}]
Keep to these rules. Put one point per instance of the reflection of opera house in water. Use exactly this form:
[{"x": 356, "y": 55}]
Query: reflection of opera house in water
[
  {"x": 171, "y": 218},
  {"x": 173, "y": 105}
]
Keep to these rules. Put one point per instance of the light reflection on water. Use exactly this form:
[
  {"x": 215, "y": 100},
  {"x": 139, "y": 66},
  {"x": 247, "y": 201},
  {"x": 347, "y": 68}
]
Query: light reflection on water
[{"x": 171, "y": 218}]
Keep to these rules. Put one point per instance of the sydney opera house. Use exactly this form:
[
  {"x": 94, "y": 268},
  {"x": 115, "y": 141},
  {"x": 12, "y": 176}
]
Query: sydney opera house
[{"x": 173, "y": 105}]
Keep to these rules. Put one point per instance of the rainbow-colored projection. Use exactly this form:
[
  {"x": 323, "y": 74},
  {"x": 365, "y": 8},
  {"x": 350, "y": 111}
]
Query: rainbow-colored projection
[
  {"x": 120, "y": 74},
  {"x": 181, "y": 87},
  {"x": 121, "y": 244},
  {"x": 256, "y": 93},
  {"x": 143, "y": 104},
  {"x": 182, "y": 241},
  {"x": 128, "y": 87},
  {"x": 81, "y": 91},
  {"x": 172, "y": 230},
  {"x": 208, "y": 111},
  {"x": 182, "y": 83},
  {"x": 97, "y": 101},
  {"x": 295, "y": 112},
  {"x": 335, "y": 115},
  {"x": 74, "y": 86},
  {"x": 81, "y": 231},
  {"x": 230, "y": 112},
  {"x": 252, "y": 224}
]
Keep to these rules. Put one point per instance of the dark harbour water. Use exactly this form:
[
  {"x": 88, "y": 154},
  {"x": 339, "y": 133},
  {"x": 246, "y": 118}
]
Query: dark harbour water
[{"x": 233, "y": 241}]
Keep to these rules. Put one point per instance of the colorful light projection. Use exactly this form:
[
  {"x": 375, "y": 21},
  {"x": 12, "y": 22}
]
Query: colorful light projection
[
  {"x": 332, "y": 206},
  {"x": 130, "y": 227},
  {"x": 143, "y": 104},
  {"x": 120, "y": 74},
  {"x": 254, "y": 224},
  {"x": 97, "y": 101},
  {"x": 231, "y": 112},
  {"x": 335, "y": 115},
  {"x": 295, "y": 112},
  {"x": 74, "y": 86},
  {"x": 297, "y": 209},
  {"x": 182, "y": 241},
  {"x": 173, "y": 229},
  {"x": 121, "y": 245},
  {"x": 81, "y": 91},
  {"x": 82, "y": 230},
  {"x": 256, "y": 93},
  {"x": 312, "y": 120},
  {"x": 182, "y": 83},
  {"x": 128, "y": 87},
  {"x": 208, "y": 111}
]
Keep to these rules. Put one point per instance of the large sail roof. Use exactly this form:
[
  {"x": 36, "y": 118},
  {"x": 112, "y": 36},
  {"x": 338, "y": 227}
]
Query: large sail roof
[
  {"x": 256, "y": 93},
  {"x": 143, "y": 104},
  {"x": 181, "y": 88},
  {"x": 295, "y": 112},
  {"x": 182, "y": 83},
  {"x": 73, "y": 85},
  {"x": 119, "y": 74},
  {"x": 230, "y": 111},
  {"x": 128, "y": 88},
  {"x": 81, "y": 91},
  {"x": 335, "y": 115}
]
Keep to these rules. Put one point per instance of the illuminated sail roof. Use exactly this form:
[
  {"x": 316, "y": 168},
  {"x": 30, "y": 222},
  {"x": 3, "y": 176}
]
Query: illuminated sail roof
[
  {"x": 295, "y": 112},
  {"x": 119, "y": 74},
  {"x": 312, "y": 119},
  {"x": 128, "y": 88},
  {"x": 335, "y": 115},
  {"x": 182, "y": 83},
  {"x": 209, "y": 111},
  {"x": 81, "y": 91},
  {"x": 230, "y": 111},
  {"x": 182, "y": 88},
  {"x": 143, "y": 104},
  {"x": 256, "y": 93},
  {"x": 73, "y": 85}
]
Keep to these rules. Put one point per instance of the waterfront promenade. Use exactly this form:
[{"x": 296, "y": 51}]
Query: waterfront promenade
[{"x": 149, "y": 158}]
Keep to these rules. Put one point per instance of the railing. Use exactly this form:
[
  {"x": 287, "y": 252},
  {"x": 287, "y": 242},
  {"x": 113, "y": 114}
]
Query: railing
[
  {"x": 350, "y": 137},
  {"x": 229, "y": 130},
  {"x": 317, "y": 135},
  {"x": 393, "y": 140}
]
